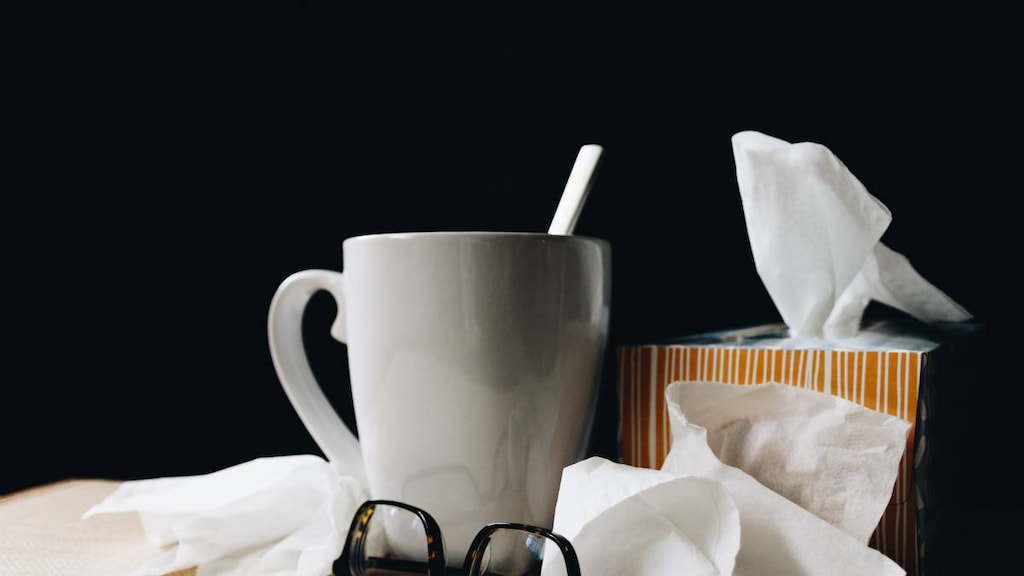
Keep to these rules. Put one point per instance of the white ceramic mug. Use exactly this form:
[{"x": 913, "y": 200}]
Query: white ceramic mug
[{"x": 475, "y": 362}]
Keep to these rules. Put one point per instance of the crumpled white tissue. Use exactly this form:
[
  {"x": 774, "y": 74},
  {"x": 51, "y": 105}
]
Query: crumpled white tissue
[
  {"x": 273, "y": 516},
  {"x": 626, "y": 520},
  {"x": 815, "y": 233},
  {"x": 698, "y": 515},
  {"x": 834, "y": 458}
]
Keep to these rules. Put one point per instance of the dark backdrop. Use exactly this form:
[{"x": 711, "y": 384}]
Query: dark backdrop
[{"x": 171, "y": 169}]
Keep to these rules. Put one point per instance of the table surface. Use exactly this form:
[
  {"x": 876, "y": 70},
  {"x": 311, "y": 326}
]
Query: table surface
[{"x": 42, "y": 533}]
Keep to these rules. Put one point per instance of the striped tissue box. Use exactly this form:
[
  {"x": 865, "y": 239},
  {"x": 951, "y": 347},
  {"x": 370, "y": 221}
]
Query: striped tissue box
[{"x": 891, "y": 366}]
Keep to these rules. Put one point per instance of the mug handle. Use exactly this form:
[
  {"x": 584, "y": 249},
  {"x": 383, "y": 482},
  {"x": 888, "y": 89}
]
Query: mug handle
[{"x": 284, "y": 330}]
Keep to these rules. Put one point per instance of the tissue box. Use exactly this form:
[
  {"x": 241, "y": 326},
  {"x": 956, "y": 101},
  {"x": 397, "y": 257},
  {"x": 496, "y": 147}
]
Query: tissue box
[{"x": 898, "y": 366}]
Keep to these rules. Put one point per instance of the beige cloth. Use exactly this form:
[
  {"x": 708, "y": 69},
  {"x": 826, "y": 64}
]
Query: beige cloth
[{"x": 42, "y": 533}]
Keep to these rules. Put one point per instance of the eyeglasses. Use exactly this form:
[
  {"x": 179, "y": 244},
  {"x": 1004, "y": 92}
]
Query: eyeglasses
[{"x": 389, "y": 537}]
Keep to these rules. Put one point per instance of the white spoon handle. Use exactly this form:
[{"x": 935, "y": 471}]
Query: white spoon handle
[{"x": 576, "y": 190}]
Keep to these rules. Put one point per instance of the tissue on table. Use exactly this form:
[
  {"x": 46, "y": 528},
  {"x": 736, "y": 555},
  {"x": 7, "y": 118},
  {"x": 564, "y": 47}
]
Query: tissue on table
[
  {"x": 894, "y": 366},
  {"x": 627, "y": 520},
  {"x": 700, "y": 516},
  {"x": 815, "y": 233},
  {"x": 275, "y": 516}
]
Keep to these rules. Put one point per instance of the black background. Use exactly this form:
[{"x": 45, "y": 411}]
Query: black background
[{"x": 168, "y": 169}]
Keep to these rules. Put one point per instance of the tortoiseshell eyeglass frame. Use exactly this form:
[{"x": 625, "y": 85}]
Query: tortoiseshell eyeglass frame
[{"x": 352, "y": 556}]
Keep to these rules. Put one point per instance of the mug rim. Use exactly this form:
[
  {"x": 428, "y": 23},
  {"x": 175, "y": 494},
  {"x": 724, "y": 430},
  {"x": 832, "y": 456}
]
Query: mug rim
[{"x": 473, "y": 234}]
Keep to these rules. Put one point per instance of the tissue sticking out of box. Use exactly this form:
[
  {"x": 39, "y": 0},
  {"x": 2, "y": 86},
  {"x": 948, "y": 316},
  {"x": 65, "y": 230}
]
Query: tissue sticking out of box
[{"x": 815, "y": 236}]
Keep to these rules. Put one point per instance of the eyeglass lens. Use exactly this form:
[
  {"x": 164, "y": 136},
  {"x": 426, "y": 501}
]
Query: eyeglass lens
[{"x": 395, "y": 542}]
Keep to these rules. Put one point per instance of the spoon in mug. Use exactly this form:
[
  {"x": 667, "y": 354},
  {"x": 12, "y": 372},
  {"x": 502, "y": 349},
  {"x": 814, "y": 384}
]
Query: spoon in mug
[{"x": 576, "y": 190}]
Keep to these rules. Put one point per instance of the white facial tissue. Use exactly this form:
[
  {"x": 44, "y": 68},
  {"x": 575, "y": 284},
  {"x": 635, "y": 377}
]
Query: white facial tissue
[{"x": 815, "y": 236}]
